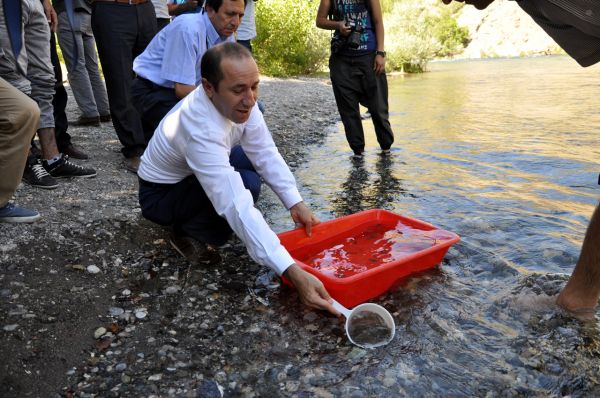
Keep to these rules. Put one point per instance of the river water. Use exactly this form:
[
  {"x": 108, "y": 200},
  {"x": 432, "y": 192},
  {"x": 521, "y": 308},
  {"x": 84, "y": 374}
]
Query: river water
[{"x": 505, "y": 153}]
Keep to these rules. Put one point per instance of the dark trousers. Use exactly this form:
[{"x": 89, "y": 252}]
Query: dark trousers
[
  {"x": 246, "y": 43},
  {"x": 161, "y": 23},
  {"x": 186, "y": 208},
  {"x": 354, "y": 82},
  {"x": 122, "y": 32},
  {"x": 152, "y": 102},
  {"x": 59, "y": 102}
]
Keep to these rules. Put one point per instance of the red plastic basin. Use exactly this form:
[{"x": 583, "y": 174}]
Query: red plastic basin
[{"x": 380, "y": 275}]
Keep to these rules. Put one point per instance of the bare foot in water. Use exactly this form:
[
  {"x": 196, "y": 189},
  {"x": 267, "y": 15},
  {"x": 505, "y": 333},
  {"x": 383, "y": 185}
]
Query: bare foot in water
[
  {"x": 575, "y": 304},
  {"x": 580, "y": 295}
]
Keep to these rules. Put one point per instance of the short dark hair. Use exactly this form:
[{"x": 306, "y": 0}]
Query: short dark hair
[
  {"x": 210, "y": 64},
  {"x": 216, "y": 4}
]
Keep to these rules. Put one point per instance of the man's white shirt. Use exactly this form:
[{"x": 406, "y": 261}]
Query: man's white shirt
[{"x": 194, "y": 138}]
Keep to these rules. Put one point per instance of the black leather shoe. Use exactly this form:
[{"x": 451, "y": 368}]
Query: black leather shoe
[
  {"x": 196, "y": 252},
  {"x": 132, "y": 164},
  {"x": 74, "y": 152},
  {"x": 87, "y": 121}
]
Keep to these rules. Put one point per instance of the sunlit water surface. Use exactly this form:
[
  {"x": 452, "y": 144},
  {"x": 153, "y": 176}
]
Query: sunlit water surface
[{"x": 505, "y": 153}]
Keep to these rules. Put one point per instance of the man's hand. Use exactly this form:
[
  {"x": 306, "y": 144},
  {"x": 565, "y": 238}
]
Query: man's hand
[
  {"x": 302, "y": 216},
  {"x": 310, "y": 289},
  {"x": 344, "y": 28},
  {"x": 191, "y": 4},
  {"x": 50, "y": 15},
  {"x": 379, "y": 66}
]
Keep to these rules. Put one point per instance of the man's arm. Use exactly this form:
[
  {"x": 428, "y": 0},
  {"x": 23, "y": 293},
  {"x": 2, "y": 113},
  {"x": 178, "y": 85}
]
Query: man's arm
[
  {"x": 324, "y": 22},
  {"x": 582, "y": 291},
  {"x": 181, "y": 90},
  {"x": 377, "y": 20},
  {"x": 310, "y": 289},
  {"x": 177, "y": 9},
  {"x": 51, "y": 15}
]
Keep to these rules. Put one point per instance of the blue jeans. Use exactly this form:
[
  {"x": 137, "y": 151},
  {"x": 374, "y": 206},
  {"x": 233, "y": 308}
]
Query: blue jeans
[{"x": 186, "y": 208}]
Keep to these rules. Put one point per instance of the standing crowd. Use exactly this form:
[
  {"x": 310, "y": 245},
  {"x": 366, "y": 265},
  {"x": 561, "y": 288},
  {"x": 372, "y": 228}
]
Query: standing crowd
[{"x": 182, "y": 97}]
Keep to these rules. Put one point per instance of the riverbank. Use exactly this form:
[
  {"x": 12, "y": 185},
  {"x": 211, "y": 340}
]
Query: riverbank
[{"x": 94, "y": 302}]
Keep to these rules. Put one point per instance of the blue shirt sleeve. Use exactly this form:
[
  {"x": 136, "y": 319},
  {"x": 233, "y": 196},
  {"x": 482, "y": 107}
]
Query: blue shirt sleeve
[{"x": 181, "y": 56}]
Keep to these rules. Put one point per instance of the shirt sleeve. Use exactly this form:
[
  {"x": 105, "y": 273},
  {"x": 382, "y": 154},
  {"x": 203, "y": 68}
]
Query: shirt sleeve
[
  {"x": 208, "y": 157},
  {"x": 180, "y": 56},
  {"x": 260, "y": 148}
]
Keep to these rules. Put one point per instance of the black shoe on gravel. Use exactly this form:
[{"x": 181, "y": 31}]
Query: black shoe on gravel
[
  {"x": 195, "y": 251},
  {"x": 36, "y": 175},
  {"x": 63, "y": 168}
]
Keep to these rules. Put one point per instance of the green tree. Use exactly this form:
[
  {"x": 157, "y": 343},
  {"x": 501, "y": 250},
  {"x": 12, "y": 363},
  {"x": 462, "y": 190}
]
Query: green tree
[
  {"x": 416, "y": 33},
  {"x": 288, "y": 43}
]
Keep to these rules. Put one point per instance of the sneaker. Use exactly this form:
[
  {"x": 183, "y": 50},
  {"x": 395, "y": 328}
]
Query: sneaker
[
  {"x": 74, "y": 152},
  {"x": 14, "y": 213},
  {"x": 196, "y": 252},
  {"x": 36, "y": 175},
  {"x": 64, "y": 168},
  {"x": 87, "y": 121}
]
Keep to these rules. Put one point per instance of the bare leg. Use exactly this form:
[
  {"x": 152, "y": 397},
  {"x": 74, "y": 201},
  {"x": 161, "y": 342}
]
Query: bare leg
[
  {"x": 48, "y": 143},
  {"x": 581, "y": 293}
]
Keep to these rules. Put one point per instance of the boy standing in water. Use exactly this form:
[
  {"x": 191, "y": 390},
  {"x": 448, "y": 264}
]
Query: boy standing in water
[
  {"x": 575, "y": 26},
  {"x": 357, "y": 68}
]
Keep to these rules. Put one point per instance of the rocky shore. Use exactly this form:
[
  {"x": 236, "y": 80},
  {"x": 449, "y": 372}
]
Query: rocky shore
[{"x": 94, "y": 302}]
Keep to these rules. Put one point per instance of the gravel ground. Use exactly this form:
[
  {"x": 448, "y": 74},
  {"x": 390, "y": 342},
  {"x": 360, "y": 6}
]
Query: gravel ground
[{"x": 94, "y": 302}]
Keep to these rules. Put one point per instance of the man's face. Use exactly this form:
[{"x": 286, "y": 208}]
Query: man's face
[
  {"x": 479, "y": 4},
  {"x": 228, "y": 18},
  {"x": 238, "y": 89}
]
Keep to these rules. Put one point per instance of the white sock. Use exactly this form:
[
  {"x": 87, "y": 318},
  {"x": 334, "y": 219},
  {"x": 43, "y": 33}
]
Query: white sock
[{"x": 54, "y": 159}]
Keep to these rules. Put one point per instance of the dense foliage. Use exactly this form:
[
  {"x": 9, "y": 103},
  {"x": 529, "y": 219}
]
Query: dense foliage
[
  {"x": 416, "y": 31},
  {"x": 288, "y": 42}
]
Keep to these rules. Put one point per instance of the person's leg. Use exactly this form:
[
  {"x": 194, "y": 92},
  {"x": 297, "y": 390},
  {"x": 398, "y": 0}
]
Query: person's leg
[
  {"x": 246, "y": 43},
  {"x": 40, "y": 72},
  {"x": 187, "y": 208},
  {"x": 376, "y": 100},
  {"x": 71, "y": 42},
  {"x": 583, "y": 288},
  {"x": 152, "y": 103},
  {"x": 161, "y": 23},
  {"x": 59, "y": 103},
  {"x": 115, "y": 28},
  {"x": 19, "y": 118},
  {"x": 242, "y": 165},
  {"x": 147, "y": 28},
  {"x": 346, "y": 83},
  {"x": 91, "y": 64}
]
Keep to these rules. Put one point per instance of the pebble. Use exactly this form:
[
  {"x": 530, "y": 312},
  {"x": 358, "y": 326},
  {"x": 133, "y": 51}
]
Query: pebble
[
  {"x": 141, "y": 314},
  {"x": 389, "y": 381},
  {"x": 172, "y": 289},
  {"x": 10, "y": 328},
  {"x": 116, "y": 311},
  {"x": 120, "y": 367},
  {"x": 155, "y": 377},
  {"x": 99, "y": 332},
  {"x": 92, "y": 269}
]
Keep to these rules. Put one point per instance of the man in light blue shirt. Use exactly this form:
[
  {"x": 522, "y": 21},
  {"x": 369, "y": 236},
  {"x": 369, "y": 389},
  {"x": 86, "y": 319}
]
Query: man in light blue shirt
[{"x": 169, "y": 68}]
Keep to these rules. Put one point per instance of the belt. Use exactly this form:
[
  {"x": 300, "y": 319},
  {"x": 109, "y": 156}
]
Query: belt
[
  {"x": 130, "y": 2},
  {"x": 149, "y": 184}
]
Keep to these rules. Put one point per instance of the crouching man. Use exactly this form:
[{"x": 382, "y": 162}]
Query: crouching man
[{"x": 201, "y": 172}]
